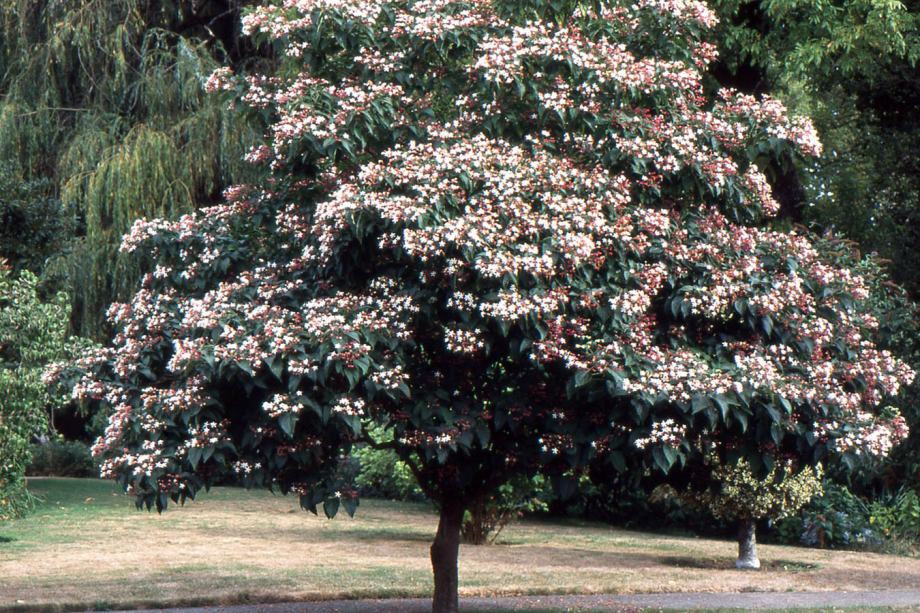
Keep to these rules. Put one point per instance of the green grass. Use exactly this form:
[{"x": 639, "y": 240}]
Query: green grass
[{"x": 86, "y": 546}]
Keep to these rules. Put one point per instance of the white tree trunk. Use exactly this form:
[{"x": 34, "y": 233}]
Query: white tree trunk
[{"x": 747, "y": 545}]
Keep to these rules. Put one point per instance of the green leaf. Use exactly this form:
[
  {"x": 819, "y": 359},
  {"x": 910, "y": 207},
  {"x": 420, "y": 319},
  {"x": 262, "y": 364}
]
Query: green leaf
[
  {"x": 618, "y": 460},
  {"x": 245, "y": 366},
  {"x": 307, "y": 503},
  {"x": 661, "y": 460},
  {"x": 286, "y": 422},
  {"x": 785, "y": 404},
  {"x": 331, "y": 507},
  {"x": 670, "y": 455},
  {"x": 351, "y": 505},
  {"x": 774, "y": 414},
  {"x": 482, "y": 435},
  {"x": 742, "y": 417},
  {"x": 162, "y": 501},
  {"x": 776, "y": 433},
  {"x": 276, "y": 366},
  {"x": 699, "y": 403},
  {"x": 194, "y": 457},
  {"x": 724, "y": 405}
]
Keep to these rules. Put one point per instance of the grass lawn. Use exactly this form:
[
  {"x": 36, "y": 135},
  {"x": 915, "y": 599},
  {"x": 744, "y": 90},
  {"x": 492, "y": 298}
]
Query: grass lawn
[{"x": 86, "y": 546}]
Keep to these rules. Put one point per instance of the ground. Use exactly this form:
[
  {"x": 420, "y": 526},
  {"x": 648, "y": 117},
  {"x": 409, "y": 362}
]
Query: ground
[{"x": 85, "y": 546}]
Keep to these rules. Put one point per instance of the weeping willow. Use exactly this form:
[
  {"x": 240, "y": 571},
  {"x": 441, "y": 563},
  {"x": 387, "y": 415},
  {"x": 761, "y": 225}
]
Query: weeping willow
[{"x": 105, "y": 98}]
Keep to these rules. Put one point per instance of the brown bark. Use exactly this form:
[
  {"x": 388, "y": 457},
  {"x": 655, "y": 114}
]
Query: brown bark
[{"x": 444, "y": 554}]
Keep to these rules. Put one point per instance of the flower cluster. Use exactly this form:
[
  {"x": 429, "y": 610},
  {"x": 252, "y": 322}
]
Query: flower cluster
[
  {"x": 666, "y": 432},
  {"x": 347, "y": 405},
  {"x": 868, "y": 434},
  {"x": 220, "y": 80},
  {"x": 281, "y": 404},
  {"x": 464, "y": 341},
  {"x": 205, "y": 435}
]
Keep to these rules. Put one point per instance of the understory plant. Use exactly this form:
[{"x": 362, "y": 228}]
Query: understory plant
[
  {"x": 60, "y": 458},
  {"x": 486, "y": 517},
  {"x": 840, "y": 519},
  {"x": 381, "y": 473}
]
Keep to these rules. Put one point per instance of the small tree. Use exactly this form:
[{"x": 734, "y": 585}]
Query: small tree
[
  {"x": 33, "y": 333},
  {"x": 514, "y": 235},
  {"x": 487, "y": 517},
  {"x": 740, "y": 496}
]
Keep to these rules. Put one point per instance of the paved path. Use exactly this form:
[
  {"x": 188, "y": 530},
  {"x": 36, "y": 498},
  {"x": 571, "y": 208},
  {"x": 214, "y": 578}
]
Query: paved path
[{"x": 611, "y": 602}]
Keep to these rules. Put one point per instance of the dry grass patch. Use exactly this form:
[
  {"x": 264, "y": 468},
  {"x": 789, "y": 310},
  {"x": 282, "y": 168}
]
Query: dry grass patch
[{"x": 87, "y": 547}]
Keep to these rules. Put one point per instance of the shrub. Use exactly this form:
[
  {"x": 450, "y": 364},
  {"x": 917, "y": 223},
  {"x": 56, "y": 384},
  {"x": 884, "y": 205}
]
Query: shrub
[
  {"x": 32, "y": 333},
  {"x": 741, "y": 495},
  {"x": 840, "y": 519},
  {"x": 897, "y": 518},
  {"x": 381, "y": 473},
  {"x": 62, "y": 459},
  {"x": 33, "y": 225},
  {"x": 487, "y": 517}
]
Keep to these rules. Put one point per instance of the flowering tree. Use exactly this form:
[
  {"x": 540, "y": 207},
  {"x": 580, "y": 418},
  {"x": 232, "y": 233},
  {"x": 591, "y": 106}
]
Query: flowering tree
[{"x": 519, "y": 236}]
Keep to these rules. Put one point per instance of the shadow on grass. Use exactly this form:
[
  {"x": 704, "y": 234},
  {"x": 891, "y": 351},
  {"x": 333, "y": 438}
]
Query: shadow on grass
[
  {"x": 394, "y": 534},
  {"x": 729, "y": 564}
]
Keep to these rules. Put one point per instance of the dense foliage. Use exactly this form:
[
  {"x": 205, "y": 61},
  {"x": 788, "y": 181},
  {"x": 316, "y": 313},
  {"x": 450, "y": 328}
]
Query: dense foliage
[
  {"x": 738, "y": 494},
  {"x": 33, "y": 333},
  {"x": 381, "y": 473},
  {"x": 33, "y": 226},
  {"x": 852, "y": 66},
  {"x": 839, "y": 518},
  {"x": 519, "y": 237},
  {"x": 59, "y": 458}
]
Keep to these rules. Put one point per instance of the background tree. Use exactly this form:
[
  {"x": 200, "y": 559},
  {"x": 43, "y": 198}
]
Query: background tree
[
  {"x": 33, "y": 333},
  {"x": 101, "y": 105},
  {"x": 33, "y": 226},
  {"x": 511, "y": 263},
  {"x": 736, "y": 494},
  {"x": 851, "y": 66}
]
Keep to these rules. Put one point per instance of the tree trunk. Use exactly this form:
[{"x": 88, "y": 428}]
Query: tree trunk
[
  {"x": 747, "y": 545},
  {"x": 444, "y": 552}
]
